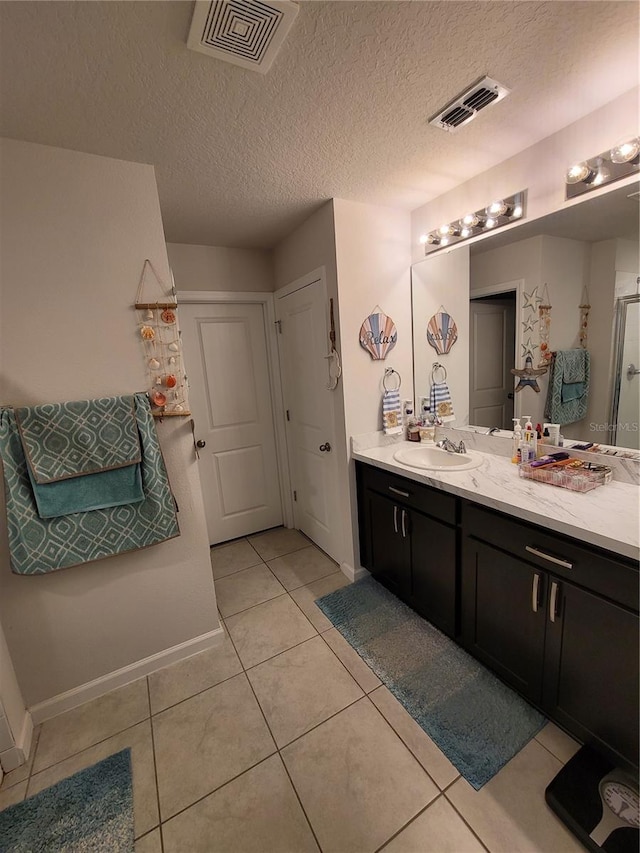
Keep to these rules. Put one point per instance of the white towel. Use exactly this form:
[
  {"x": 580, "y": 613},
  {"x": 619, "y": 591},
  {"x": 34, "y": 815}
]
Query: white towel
[
  {"x": 391, "y": 412},
  {"x": 440, "y": 402}
]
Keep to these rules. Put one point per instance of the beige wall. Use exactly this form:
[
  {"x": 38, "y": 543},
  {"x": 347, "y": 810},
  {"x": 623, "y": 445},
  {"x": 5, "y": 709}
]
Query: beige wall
[
  {"x": 217, "y": 268},
  {"x": 540, "y": 169},
  {"x": 75, "y": 230}
]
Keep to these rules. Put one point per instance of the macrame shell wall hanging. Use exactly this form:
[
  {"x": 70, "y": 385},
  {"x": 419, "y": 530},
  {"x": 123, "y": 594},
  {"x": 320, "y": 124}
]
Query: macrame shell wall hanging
[
  {"x": 378, "y": 334},
  {"x": 442, "y": 332},
  {"x": 160, "y": 338}
]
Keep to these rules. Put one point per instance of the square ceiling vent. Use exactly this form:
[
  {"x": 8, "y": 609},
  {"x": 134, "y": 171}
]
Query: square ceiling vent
[{"x": 248, "y": 33}]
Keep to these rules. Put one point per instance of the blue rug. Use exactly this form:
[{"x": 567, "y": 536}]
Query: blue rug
[
  {"x": 90, "y": 812},
  {"x": 477, "y": 721}
]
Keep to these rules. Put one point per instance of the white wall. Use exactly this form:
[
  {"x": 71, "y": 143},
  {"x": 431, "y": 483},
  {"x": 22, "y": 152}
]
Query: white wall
[
  {"x": 75, "y": 230},
  {"x": 218, "y": 268},
  {"x": 373, "y": 268},
  {"x": 540, "y": 169},
  {"x": 443, "y": 280}
]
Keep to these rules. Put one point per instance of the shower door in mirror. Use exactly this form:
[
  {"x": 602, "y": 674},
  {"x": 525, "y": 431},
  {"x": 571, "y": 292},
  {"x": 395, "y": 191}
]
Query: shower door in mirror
[{"x": 626, "y": 402}]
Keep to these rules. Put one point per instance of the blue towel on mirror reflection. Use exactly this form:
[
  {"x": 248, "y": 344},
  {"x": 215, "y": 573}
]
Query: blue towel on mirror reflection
[{"x": 567, "y": 401}]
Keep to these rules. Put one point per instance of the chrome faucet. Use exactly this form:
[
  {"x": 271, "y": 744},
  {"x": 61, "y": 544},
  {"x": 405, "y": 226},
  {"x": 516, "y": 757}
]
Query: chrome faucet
[{"x": 450, "y": 446}]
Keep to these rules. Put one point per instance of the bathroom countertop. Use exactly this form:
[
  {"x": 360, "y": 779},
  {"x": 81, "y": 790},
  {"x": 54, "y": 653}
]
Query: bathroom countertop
[{"x": 607, "y": 517}]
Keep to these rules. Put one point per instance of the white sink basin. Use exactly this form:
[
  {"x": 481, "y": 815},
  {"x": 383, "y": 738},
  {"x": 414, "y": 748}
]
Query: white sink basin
[{"x": 436, "y": 459}]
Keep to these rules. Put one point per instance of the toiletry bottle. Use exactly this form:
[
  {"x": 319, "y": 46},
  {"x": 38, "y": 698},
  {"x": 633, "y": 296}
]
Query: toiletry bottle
[{"x": 517, "y": 438}]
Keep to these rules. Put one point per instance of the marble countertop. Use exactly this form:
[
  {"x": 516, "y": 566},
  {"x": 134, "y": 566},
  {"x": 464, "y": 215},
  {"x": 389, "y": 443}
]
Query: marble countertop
[{"x": 608, "y": 517}]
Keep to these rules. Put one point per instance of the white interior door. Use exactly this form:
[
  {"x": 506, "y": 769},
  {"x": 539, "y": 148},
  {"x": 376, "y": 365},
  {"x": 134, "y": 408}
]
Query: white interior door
[
  {"x": 491, "y": 357},
  {"x": 310, "y": 411},
  {"x": 225, "y": 349}
]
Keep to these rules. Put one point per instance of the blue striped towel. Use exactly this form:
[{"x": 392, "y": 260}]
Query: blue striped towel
[
  {"x": 440, "y": 402},
  {"x": 391, "y": 412}
]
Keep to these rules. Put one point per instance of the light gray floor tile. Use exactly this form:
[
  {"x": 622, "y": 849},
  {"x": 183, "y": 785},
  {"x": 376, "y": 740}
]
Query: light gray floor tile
[
  {"x": 227, "y": 559},
  {"x": 356, "y": 780},
  {"x": 149, "y": 843},
  {"x": 275, "y": 543},
  {"x": 207, "y": 740},
  {"x": 92, "y": 722},
  {"x": 138, "y": 738},
  {"x": 562, "y": 745},
  {"x": 256, "y": 813},
  {"x": 509, "y": 813},
  {"x": 302, "y": 567},
  {"x": 246, "y": 589},
  {"x": 13, "y": 794},
  {"x": 305, "y": 598},
  {"x": 268, "y": 629},
  {"x": 434, "y": 761},
  {"x": 439, "y": 829},
  {"x": 366, "y": 677},
  {"x": 21, "y": 774},
  {"x": 193, "y": 675},
  {"x": 301, "y": 688}
]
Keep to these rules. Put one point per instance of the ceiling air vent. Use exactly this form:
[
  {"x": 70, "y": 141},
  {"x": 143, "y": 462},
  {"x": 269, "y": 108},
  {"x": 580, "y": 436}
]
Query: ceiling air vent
[
  {"x": 466, "y": 106},
  {"x": 244, "y": 32}
]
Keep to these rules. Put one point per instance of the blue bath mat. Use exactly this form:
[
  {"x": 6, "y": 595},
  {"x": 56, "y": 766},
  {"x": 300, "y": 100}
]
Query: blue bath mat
[
  {"x": 90, "y": 812},
  {"x": 476, "y": 720}
]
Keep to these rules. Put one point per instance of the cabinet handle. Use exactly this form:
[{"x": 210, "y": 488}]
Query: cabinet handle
[
  {"x": 399, "y": 492},
  {"x": 395, "y": 518},
  {"x": 404, "y": 530},
  {"x": 535, "y": 593},
  {"x": 553, "y": 599},
  {"x": 556, "y": 560}
]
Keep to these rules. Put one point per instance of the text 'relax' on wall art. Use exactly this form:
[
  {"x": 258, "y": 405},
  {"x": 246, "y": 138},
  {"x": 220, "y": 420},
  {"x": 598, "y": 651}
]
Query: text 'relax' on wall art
[
  {"x": 442, "y": 332},
  {"x": 160, "y": 337},
  {"x": 378, "y": 334}
]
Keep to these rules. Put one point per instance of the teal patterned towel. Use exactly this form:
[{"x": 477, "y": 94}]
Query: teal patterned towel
[
  {"x": 567, "y": 401},
  {"x": 39, "y": 545}
]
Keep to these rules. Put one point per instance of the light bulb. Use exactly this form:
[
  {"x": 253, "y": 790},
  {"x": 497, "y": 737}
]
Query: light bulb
[
  {"x": 578, "y": 172},
  {"x": 625, "y": 152},
  {"x": 433, "y": 240},
  {"x": 490, "y": 223},
  {"x": 470, "y": 220},
  {"x": 446, "y": 230},
  {"x": 444, "y": 241},
  {"x": 423, "y": 238},
  {"x": 517, "y": 211},
  {"x": 465, "y": 232},
  {"x": 497, "y": 208}
]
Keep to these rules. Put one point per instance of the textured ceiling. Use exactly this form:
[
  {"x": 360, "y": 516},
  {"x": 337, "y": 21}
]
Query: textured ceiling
[{"x": 243, "y": 158}]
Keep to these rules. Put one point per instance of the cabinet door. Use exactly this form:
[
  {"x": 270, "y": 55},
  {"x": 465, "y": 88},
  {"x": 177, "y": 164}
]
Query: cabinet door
[
  {"x": 434, "y": 571},
  {"x": 389, "y": 542},
  {"x": 503, "y": 615},
  {"x": 591, "y": 668}
]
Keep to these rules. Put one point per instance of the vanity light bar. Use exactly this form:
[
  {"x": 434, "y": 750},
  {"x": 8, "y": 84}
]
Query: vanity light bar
[
  {"x": 495, "y": 215},
  {"x": 618, "y": 162}
]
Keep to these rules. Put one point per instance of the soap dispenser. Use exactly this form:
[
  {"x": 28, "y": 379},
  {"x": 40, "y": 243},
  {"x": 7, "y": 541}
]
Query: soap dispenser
[{"x": 517, "y": 438}]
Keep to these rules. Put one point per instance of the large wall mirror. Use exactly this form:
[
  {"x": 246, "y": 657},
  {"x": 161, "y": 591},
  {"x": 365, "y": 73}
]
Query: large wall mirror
[{"x": 489, "y": 287}]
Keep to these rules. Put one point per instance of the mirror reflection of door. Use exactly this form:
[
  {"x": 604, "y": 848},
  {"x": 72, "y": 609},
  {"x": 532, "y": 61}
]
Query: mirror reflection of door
[{"x": 492, "y": 329}]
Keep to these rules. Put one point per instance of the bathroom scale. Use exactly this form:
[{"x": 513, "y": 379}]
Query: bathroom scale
[{"x": 598, "y": 802}]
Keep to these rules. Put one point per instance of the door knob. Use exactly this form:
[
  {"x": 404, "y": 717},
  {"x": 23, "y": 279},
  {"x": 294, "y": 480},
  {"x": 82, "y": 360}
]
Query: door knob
[
  {"x": 325, "y": 448},
  {"x": 201, "y": 443},
  {"x": 510, "y": 395}
]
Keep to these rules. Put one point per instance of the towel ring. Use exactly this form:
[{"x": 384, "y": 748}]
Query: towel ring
[
  {"x": 389, "y": 371},
  {"x": 437, "y": 366}
]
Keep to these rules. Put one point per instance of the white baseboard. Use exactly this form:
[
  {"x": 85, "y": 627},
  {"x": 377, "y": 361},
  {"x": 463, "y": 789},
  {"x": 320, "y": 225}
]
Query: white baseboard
[
  {"x": 351, "y": 573},
  {"x": 118, "y": 678},
  {"x": 19, "y": 753}
]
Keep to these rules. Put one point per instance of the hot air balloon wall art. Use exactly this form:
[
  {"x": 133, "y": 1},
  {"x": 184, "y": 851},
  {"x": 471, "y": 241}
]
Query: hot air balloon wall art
[
  {"x": 378, "y": 334},
  {"x": 442, "y": 332}
]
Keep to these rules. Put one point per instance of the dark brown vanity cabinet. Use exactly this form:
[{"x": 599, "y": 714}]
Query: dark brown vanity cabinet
[
  {"x": 408, "y": 542},
  {"x": 556, "y": 620}
]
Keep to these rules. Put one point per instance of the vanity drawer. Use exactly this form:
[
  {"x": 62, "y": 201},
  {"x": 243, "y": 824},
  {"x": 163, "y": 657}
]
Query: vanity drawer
[
  {"x": 614, "y": 577},
  {"x": 430, "y": 501}
]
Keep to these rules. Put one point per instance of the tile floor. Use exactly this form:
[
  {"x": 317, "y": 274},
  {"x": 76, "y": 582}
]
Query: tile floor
[{"x": 282, "y": 740}]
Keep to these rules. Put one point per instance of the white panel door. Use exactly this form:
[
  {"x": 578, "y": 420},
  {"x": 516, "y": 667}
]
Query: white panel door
[
  {"x": 491, "y": 357},
  {"x": 225, "y": 349},
  {"x": 310, "y": 430}
]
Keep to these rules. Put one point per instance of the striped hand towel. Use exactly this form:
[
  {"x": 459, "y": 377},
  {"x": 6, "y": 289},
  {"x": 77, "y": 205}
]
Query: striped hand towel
[
  {"x": 391, "y": 412},
  {"x": 440, "y": 402}
]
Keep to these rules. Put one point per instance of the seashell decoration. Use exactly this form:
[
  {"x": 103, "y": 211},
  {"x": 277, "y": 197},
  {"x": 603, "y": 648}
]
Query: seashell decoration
[
  {"x": 172, "y": 359},
  {"x": 154, "y": 364},
  {"x": 173, "y": 346},
  {"x": 158, "y": 399},
  {"x": 442, "y": 332},
  {"x": 147, "y": 333},
  {"x": 378, "y": 335},
  {"x": 168, "y": 316},
  {"x": 170, "y": 381},
  {"x": 178, "y": 408},
  {"x": 149, "y": 314}
]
